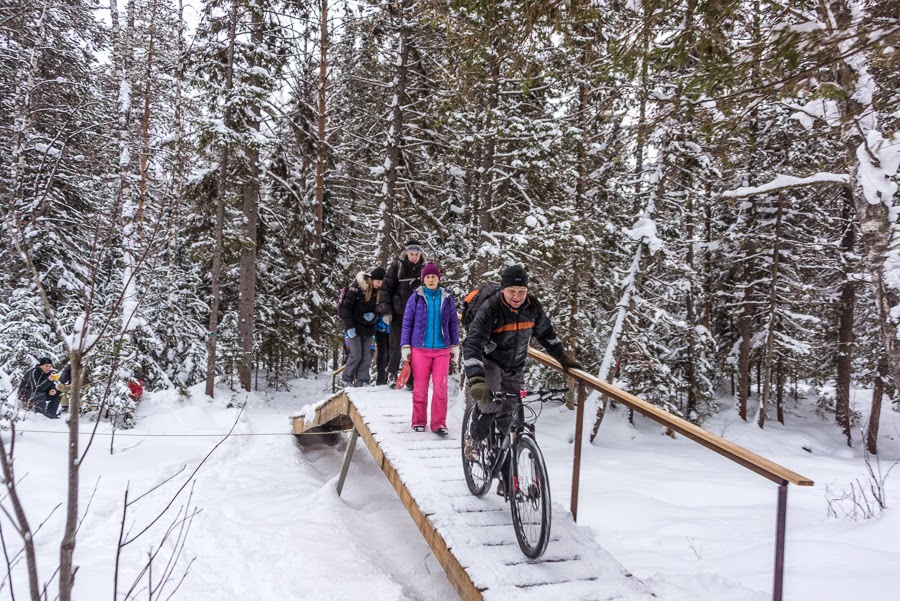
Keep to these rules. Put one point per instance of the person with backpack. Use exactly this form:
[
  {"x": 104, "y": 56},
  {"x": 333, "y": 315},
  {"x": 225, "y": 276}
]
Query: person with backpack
[
  {"x": 38, "y": 392},
  {"x": 358, "y": 310},
  {"x": 496, "y": 347},
  {"x": 430, "y": 340},
  {"x": 402, "y": 277}
]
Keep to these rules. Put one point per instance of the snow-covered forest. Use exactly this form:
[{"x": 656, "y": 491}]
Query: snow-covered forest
[{"x": 704, "y": 192}]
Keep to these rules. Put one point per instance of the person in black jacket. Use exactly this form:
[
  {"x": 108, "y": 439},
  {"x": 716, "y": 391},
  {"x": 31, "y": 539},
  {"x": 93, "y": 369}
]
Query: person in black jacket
[
  {"x": 382, "y": 337},
  {"x": 403, "y": 276},
  {"x": 358, "y": 312},
  {"x": 496, "y": 347},
  {"x": 38, "y": 390}
]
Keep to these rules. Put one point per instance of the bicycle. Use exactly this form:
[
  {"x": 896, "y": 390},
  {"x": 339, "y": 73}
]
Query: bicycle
[{"x": 526, "y": 482}]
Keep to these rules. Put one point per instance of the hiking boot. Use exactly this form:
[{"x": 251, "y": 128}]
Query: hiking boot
[
  {"x": 442, "y": 431},
  {"x": 501, "y": 488},
  {"x": 419, "y": 428},
  {"x": 473, "y": 448}
]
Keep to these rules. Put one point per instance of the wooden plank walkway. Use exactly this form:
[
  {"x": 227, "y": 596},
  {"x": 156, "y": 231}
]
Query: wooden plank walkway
[{"x": 472, "y": 538}]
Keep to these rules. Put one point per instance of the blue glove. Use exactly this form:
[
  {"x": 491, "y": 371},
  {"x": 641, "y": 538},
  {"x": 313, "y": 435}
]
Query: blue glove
[
  {"x": 369, "y": 316},
  {"x": 351, "y": 333}
]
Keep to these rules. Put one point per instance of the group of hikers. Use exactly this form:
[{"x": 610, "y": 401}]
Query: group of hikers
[{"x": 413, "y": 318}]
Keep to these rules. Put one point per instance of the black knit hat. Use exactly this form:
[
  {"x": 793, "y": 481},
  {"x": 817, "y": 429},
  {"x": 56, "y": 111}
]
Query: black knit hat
[
  {"x": 45, "y": 361},
  {"x": 377, "y": 273},
  {"x": 412, "y": 245},
  {"x": 514, "y": 275}
]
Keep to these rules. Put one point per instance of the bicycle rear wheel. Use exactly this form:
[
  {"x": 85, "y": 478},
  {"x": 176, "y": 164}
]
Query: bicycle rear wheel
[
  {"x": 530, "y": 498},
  {"x": 478, "y": 472}
]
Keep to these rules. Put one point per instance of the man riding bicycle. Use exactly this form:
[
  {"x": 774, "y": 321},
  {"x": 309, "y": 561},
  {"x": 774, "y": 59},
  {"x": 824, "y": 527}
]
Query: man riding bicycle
[{"x": 496, "y": 347}]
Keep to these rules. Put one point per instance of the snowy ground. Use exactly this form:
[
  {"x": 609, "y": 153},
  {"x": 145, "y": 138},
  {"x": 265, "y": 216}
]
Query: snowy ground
[{"x": 692, "y": 525}]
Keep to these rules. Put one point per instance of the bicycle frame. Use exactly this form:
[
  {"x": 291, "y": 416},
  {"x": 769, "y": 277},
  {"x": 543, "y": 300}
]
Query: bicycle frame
[{"x": 508, "y": 439}]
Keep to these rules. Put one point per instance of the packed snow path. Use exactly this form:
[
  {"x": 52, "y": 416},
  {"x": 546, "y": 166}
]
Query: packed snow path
[{"x": 472, "y": 538}]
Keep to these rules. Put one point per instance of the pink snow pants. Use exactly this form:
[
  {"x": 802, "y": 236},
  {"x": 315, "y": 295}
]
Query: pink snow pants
[{"x": 434, "y": 365}]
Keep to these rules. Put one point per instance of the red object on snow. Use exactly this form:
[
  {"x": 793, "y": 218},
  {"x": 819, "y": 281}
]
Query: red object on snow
[
  {"x": 137, "y": 389},
  {"x": 403, "y": 378}
]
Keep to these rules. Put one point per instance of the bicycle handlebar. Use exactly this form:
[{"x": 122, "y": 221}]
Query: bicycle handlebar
[{"x": 542, "y": 394}]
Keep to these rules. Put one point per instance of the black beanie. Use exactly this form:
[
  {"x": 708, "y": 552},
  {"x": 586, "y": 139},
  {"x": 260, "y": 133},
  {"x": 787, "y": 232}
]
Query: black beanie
[
  {"x": 377, "y": 273},
  {"x": 412, "y": 245},
  {"x": 45, "y": 361},
  {"x": 514, "y": 275}
]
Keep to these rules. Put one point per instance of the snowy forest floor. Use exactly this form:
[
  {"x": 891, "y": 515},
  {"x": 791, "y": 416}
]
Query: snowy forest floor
[{"x": 270, "y": 526}]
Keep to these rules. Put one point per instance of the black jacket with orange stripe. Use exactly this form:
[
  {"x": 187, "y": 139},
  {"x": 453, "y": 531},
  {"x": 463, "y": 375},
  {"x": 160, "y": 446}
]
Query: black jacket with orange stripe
[{"x": 502, "y": 334}]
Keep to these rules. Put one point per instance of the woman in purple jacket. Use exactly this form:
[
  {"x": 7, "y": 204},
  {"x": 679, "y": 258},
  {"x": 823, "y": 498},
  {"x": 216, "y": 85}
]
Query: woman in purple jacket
[{"x": 430, "y": 337}]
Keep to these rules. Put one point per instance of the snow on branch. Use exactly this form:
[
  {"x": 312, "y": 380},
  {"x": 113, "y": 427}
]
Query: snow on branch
[{"x": 782, "y": 182}]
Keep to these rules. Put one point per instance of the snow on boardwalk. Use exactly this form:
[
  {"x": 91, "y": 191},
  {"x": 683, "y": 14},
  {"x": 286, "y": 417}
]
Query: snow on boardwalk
[{"x": 472, "y": 538}]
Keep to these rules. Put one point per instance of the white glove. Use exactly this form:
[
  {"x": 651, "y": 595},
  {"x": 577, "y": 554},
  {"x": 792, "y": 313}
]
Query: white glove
[
  {"x": 386, "y": 319},
  {"x": 405, "y": 352},
  {"x": 454, "y": 353}
]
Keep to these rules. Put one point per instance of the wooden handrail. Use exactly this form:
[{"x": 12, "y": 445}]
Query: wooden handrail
[{"x": 738, "y": 454}]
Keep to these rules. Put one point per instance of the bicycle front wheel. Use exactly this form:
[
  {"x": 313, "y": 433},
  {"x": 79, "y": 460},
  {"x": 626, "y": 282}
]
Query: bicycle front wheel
[
  {"x": 476, "y": 463},
  {"x": 530, "y": 498}
]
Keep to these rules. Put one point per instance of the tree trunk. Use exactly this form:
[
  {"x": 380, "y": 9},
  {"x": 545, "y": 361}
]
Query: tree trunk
[
  {"x": 177, "y": 185},
  {"x": 779, "y": 392},
  {"x": 221, "y": 192},
  {"x": 748, "y": 247},
  {"x": 745, "y": 325},
  {"x": 394, "y": 140},
  {"x": 845, "y": 321},
  {"x": 875, "y": 414},
  {"x": 486, "y": 192},
  {"x": 122, "y": 52},
  {"x": 581, "y": 184},
  {"x": 145, "y": 125},
  {"x": 315, "y": 325},
  {"x": 770, "y": 331},
  {"x": 632, "y": 285},
  {"x": 250, "y": 192},
  {"x": 862, "y": 143},
  {"x": 70, "y": 531},
  {"x": 690, "y": 367}
]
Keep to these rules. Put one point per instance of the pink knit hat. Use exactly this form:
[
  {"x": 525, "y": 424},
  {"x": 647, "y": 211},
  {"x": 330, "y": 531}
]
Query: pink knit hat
[{"x": 430, "y": 269}]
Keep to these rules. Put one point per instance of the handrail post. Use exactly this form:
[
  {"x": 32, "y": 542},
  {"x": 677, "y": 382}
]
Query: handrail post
[
  {"x": 780, "y": 529},
  {"x": 348, "y": 457},
  {"x": 576, "y": 460}
]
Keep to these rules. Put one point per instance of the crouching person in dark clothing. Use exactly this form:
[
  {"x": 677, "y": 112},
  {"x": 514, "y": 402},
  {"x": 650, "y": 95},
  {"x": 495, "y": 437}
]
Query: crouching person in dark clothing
[
  {"x": 496, "y": 347},
  {"x": 38, "y": 390}
]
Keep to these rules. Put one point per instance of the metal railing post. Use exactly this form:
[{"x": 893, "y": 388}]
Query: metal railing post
[
  {"x": 576, "y": 460},
  {"x": 348, "y": 457},
  {"x": 780, "y": 529}
]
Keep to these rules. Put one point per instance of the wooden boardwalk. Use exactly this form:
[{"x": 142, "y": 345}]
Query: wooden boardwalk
[{"x": 472, "y": 538}]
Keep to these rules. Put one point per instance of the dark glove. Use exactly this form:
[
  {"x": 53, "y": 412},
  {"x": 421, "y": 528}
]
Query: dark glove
[
  {"x": 568, "y": 363},
  {"x": 479, "y": 389}
]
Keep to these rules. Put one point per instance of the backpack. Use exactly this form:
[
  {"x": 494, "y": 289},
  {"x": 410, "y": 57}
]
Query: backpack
[
  {"x": 475, "y": 299},
  {"x": 340, "y": 301}
]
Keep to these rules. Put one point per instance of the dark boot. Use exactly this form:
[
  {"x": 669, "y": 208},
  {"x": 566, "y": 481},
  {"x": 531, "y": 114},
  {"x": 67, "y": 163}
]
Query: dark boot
[{"x": 52, "y": 407}]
